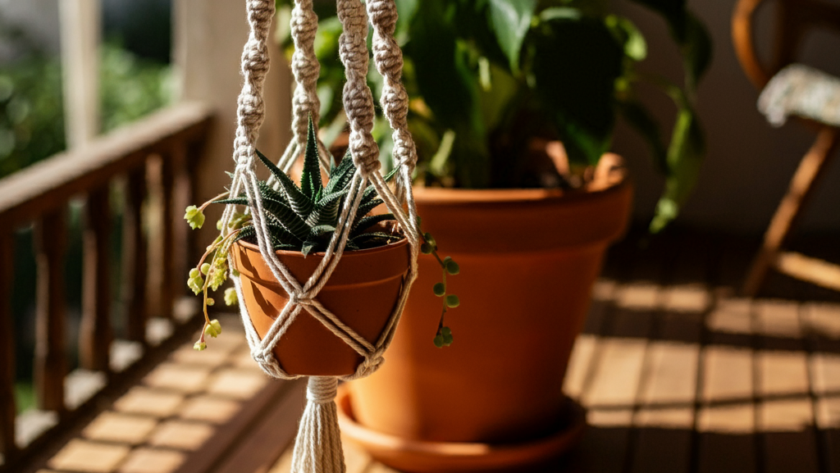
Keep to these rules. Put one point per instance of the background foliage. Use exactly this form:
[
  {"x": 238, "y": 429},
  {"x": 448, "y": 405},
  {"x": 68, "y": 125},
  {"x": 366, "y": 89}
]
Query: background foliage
[
  {"x": 489, "y": 76},
  {"x": 32, "y": 129}
]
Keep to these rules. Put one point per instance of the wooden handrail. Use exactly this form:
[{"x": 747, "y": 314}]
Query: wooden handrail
[
  {"x": 168, "y": 141},
  {"x": 52, "y": 182}
]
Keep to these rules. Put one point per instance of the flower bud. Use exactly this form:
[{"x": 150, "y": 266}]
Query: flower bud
[
  {"x": 194, "y": 217},
  {"x": 230, "y": 296}
]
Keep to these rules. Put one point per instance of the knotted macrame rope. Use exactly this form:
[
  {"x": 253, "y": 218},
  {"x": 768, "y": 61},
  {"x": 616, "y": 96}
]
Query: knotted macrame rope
[{"x": 318, "y": 448}]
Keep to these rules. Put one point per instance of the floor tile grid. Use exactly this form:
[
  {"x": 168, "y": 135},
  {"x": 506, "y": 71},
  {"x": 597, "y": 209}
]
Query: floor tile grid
[{"x": 174, "y": 409}]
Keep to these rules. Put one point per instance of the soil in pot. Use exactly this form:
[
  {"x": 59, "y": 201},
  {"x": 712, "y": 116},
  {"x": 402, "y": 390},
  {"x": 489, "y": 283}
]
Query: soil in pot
[
  {"x": 362, "y": 292},
  {"x": 528, "y": 261}
]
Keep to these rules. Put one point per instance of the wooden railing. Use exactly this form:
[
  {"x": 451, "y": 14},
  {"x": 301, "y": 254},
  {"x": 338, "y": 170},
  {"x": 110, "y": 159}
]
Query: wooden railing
[{"x": 152, "y": 160}]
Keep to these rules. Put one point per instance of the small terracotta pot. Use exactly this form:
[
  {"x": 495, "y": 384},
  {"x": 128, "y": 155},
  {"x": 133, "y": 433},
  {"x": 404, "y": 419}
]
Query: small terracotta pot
[
  {"x": 528, "y": 261},
  {"x": 362, "y": 292}
]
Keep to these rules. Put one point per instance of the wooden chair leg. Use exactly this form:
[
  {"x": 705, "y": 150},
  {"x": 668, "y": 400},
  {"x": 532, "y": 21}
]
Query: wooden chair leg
[{"x": 801, "y": 188}]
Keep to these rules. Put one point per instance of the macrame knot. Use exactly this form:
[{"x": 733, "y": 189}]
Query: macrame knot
[
  {"x": 259, "y": 355},
  {"x": 321, "y": 390},
  {"x": 251, "y": 109},
  {"x": 370, "y": 364},
  {"x": 365, "y": 153},
  {"x": 383, "y": 13},
  {"x": 300, "y": 299},
  {"x": 389, "y": 62}
]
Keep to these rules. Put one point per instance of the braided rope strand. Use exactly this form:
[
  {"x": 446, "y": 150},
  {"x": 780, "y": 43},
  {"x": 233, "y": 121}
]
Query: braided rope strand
[
  {"x": 358, "y": 99},
  {"x": 389, "y": 62}
]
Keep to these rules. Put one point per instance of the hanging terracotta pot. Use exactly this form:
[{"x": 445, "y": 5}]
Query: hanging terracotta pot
[
  {"x": 528, "y": 260},
  {"x": 362, "y": 292}
]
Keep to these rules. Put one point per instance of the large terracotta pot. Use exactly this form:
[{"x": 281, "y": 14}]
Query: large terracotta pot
[
  {"x": 362, "y": 292},
  {"x": 528, "y": 261}
]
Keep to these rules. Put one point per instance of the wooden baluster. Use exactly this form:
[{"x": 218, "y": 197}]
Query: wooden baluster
[
  {"x": 7, "y": 349},
  {"x": 167, "y": 263},
  {"x": 194, "y": 153},
  {"x": 133, "y": 292},
  {"x": 181, "y": 198},
  {"x": 50, "y": 362},
  {"x": 95, "y": 335}
]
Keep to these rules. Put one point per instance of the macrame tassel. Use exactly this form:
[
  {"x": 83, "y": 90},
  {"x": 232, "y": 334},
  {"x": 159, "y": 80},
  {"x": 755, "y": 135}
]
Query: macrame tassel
[{"x": 318, "y": 445}]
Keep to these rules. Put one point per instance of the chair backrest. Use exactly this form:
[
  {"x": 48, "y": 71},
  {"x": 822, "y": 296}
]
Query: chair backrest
[{"x": 793, "y": 19}]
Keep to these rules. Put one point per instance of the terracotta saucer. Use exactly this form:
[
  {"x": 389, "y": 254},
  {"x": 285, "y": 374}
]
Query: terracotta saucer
[{"x": 418, "y": 456}]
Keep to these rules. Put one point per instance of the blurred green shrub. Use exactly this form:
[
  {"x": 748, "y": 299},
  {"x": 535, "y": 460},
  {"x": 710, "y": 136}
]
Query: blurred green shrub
[{"x": 31, "y": 108}]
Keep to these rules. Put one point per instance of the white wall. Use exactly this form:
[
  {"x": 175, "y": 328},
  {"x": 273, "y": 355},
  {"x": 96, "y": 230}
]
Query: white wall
[
  {"x": 208, "y": 42},
  {"x": 39, "y": 18},
  {"x": 749, "y": 163}
]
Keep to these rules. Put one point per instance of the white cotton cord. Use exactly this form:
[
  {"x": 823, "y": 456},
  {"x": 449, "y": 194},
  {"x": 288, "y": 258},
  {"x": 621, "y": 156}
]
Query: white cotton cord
[
  {"x": 318, "y": 449},
  {"x": 278, "y": 269},
  {"x": 394, "y": 100},
  {"x": 409, "y": 225},
  {"x": 339, "y": 328},
  {"x": 339, "y": 239},
  {"x": 306, "y": 69},
  {"x": 268, "y": 364},
  {"x": 318, "y": 446},
  {"x": 358, "y": 99}
]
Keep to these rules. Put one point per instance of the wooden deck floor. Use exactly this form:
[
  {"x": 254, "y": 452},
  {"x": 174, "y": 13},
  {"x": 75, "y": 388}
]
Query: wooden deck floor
[{"x": 677, "y": 375}]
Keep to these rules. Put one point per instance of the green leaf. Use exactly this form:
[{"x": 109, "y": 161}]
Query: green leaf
[
  {"x": 341, "y": 175},
  {"x": 280, "y": 211},
  {"x": 696, "y": 50},
  {"x": 327, "y": 209},
  {"x": 448, "y": 85},
  {"x": 578, "y": 83},
  {"x": 310, "y": 181},
  {"x": 674, "y": 13},
  {"x": 369, "y": 240},
  {"x": 300, "y": 203},
  {"x": 635, "y": 46},
  {"x": 640, "y": 118},
  {"x": 368, "y": 222},
  {"x": 405, "y": 10},
  {"x": 365, "y": 209},
  {"x": 276, "y": 232},
  {"x": 320, "y": 230},
  {"x": 511, "y": 20},
  {"x": 685, "y": 157},
  {"x": 308, "y": 247},
  {"x": 689, "y": 32}
]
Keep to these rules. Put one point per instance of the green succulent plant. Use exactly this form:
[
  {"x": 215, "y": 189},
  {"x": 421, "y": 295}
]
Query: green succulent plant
[{"x": 304, "y": 218}]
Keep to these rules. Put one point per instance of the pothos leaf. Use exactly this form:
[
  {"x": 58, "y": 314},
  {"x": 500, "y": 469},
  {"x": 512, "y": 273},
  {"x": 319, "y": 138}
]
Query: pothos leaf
[
  {"x": 578, "y": 83},
  {"x": 644, "y": 122},
  {"x": 696, "y": 50},
  {"x": 685, "y": 157},
  {"x": 511, "y": 20}
]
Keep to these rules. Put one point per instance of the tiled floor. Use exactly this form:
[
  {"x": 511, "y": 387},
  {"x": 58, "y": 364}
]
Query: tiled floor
[
  {"x": 678, "y": 375},
  {"x": 676, "y": 372},
  {"x": 173, "y": 411}
]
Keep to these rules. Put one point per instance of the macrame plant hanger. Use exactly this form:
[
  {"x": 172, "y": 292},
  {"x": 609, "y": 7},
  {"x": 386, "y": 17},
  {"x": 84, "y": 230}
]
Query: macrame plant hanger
[{"x": 318, "y": 447}]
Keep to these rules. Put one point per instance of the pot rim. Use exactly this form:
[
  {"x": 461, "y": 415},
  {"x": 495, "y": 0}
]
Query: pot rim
[
  {"x": 347, "y": 253},
  {"x": 450, "y": 196}
]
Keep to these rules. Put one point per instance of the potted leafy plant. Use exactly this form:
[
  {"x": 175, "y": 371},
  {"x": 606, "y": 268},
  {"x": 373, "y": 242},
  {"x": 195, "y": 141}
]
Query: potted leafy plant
[{"x": 492, "y": 83}]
